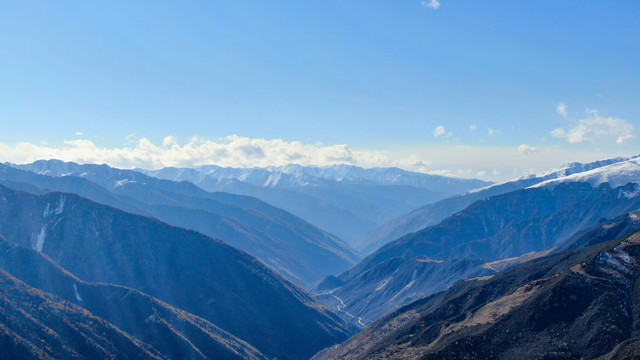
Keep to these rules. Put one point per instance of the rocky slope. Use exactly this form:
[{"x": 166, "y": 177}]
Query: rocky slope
[
  {"x": 294, "y": 248},
  {"x": 165, "y": 331},
  {"x": 432, "y": 214},
  {"x": 183, "y": 268},
  {"x": 580, "y": 304},
  {"x": 471, "y": 242},
  {"x": 37, "y": 325}
]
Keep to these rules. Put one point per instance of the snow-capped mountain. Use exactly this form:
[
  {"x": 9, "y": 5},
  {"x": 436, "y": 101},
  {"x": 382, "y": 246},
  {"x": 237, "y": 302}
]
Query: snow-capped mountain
[
  {"x": 616, "y": 174},
  {"x": 508, "y": 225},
  {"x": 298, "y": 175},
  {"x": 296, "y": 249},
  {"x": 431, "y": 214},
  {"x": 345, "y": 200}
]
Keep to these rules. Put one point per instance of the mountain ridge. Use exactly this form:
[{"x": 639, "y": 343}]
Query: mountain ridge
[
  {"x": 346, "y": 200},
  {"x": 170, "y": 332},
  {"x": 101, "y": 244},
  {"x": 432, "y": 214},
  {"x": 298, "y": 250},
  {"x": 505, "y": 226},
  {"x": 574, "y": 304}
]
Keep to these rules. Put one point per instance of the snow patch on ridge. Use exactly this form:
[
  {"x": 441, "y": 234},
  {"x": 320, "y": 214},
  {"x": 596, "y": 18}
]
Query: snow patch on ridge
[
  {"x": 38, "y": 240},
  {"x": 273, "y": 180},
  {"x": 60, "y": 207},
  {"x": 615, "y": 175},
  {"x": 630, "y": 194},
  {"x": 383, "y": 283},
  {"x": 47, "y": 211},
  {"x": 123, "y": 182},
  {"x": 559, "y": 172},
  {"x": 75, "y": 290}
]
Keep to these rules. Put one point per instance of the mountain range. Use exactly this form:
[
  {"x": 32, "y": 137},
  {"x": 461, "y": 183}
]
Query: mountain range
[
  {"x": 99, "y": 262},
  {"x": 346, "y": 200},
  {"x": 36, "y": 325},
  {"x": 431, "y": 214},
  {"x": 530, "y": 222},
  {"x": 296, "y": 249},
  {"x": 157, "y": 329},
  {"x": 183, "y": 268},
  {"x": 579, "y": 304}
]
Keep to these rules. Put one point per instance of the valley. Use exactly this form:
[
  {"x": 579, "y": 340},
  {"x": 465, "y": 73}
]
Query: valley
[
  {"x": 319, "y": 180},
  {"x": 65, "y": 222}
]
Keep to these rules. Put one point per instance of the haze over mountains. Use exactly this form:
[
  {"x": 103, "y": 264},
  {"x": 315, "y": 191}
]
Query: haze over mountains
[
  {"x": 186, "y": 269},
  {"x": 431, "y": 214},
  {"x": 345, "y": 200},
  {"x": 516, "y": 223},
  {"x": 326, "y": 180},
  {"x": 147, "y": 267},
  {"x": 296, "y": 249}
]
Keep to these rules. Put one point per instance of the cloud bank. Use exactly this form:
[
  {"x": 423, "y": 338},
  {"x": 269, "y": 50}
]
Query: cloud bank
[
  {"x": 597, "y": 129},
  {"x": 232, "y": 151},
  {"x": 491, "y": 163}
]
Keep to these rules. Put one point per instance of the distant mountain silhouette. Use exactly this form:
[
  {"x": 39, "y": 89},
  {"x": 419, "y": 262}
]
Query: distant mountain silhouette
[{"x": 346, "y": 200}]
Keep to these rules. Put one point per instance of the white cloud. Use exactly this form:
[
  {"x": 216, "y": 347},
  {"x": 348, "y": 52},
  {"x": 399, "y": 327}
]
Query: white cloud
[
  {"x": 169, "y": 140},
  {"x": 439, "y": 131},
  {"x": 492, "y": 131},
  {"x": 481, "y": 173},
  {"x": 525, "y": 149},
  {"x": 79, "y": 133},
  {"x": 595, "y": 129},
  {"x": 558, "y": 133},
  {"x": 412, "y": 162},
  {"x": 237, "y": 151},
  {"x": 473, "y": 127},
  {"x": 562, "y": 110},
  {"x": 432, "y": 4},
  {"x": 463, "y": 172},
  {"x": 621, "y": 139},
  {"x": 229, "y": 151}
]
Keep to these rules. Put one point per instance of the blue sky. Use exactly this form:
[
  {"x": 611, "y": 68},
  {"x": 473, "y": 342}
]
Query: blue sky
[{"x": 472, "y": 88}]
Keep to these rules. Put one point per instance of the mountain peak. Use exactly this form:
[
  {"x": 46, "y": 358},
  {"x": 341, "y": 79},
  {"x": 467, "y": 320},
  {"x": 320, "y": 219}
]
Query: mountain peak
[{"x": 616, "y": 173}]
